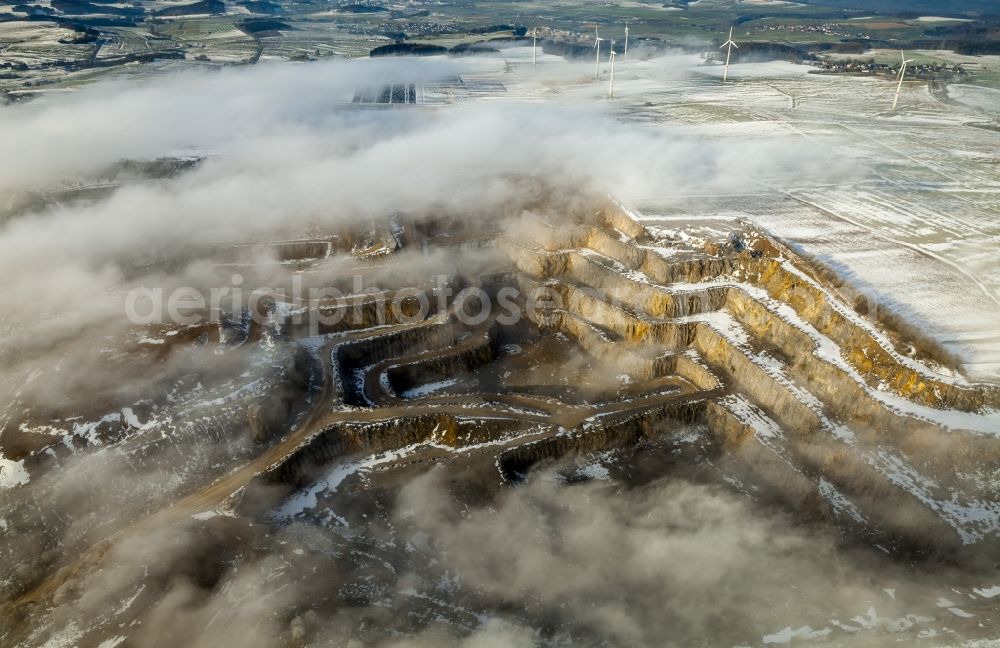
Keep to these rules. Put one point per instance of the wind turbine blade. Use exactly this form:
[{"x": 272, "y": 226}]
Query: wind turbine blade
[{"x": 736, "y": 46}]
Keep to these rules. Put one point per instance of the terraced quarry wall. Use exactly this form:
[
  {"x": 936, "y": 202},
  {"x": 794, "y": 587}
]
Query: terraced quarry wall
[
  {"x": 748, "y": 343},
  {"x": 742, "y": 353}
]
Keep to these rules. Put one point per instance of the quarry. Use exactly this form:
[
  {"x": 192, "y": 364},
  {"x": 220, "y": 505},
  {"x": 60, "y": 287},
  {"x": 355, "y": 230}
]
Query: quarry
[
  {"x": 623, "y": 353},
  {"x": 498, "y": 349}
]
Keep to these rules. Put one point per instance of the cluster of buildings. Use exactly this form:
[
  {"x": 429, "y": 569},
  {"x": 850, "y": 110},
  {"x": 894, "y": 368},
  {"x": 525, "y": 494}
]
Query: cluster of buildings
[
  {"x": 831, "y": 29},
  {"x": 851, "y": 66}
]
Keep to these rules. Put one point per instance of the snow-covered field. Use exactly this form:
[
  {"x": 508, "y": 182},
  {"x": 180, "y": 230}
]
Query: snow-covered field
[
  {"x": 917, "y": 224},
  {"x": 987, "y": 99},
  {"x": 38, "y": 44}
]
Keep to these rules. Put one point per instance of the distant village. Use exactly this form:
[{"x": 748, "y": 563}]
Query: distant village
[
  {"x": 832, "y": 29},
  {"x": 870, "y": 67}
]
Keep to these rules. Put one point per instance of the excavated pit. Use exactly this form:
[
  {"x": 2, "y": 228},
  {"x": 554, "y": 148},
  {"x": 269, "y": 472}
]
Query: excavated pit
[
  {"x": 623, "y": 342},
  {"x": 731, "y": 360}
]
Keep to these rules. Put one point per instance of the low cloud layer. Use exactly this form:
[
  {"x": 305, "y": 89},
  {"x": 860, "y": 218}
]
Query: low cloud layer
[
  {"x": 671, "y": 563},
  {"x": 285, "y": 155}
]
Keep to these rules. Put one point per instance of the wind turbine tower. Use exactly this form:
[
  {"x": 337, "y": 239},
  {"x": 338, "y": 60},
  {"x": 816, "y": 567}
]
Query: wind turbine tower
[
  {"x": 625, "y": 51},
  {"x": 792, "y": 98},
  {"x": 729, "y": 52},
  {"x": 611, "y": 87},
  {"x": 902, "y": 74},
  {"x": 534, "y": 45},
  {"x": 597, "y": 49}
]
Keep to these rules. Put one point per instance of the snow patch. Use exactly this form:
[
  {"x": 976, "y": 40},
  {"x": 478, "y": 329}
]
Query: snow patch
[
  {"x": 12, "y": 473},
  {"x": 786, "y": 635}
]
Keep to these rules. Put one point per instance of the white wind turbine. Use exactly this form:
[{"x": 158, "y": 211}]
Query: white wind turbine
[
  {"x": 730, "y": 44},
  {"x": 902, "y": 73},
  {"x": 625, "y": 51},
  {"x": 597, "y": 48},
  {"x": 534, "y": 45},
  {"x": 611, "y": 60}
]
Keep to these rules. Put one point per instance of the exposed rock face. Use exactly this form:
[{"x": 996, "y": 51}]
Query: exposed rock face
[
  {"x": 747, "y": 342},
  {"x": 621, "y": 341}
]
